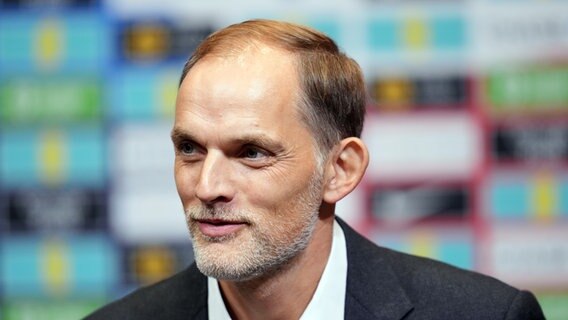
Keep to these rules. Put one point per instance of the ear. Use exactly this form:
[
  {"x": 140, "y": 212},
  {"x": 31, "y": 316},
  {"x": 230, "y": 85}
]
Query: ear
[{"x": 344, "y": 169}]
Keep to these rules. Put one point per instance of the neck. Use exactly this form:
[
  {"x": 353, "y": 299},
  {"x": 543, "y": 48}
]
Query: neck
[{"x": 286, "y": 292}]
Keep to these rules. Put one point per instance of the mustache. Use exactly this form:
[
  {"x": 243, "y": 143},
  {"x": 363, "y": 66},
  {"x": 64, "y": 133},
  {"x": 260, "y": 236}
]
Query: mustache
[{"x": 216, "y": 213}]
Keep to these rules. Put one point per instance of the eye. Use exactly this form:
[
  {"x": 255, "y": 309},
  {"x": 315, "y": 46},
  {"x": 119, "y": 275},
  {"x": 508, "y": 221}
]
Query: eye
[
  {"x": 186, "y": 148},
  {"x": 254, "y": 153}
]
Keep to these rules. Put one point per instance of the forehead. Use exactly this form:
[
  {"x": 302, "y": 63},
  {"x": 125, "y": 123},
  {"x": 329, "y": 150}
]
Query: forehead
[
  {"x": 254, "y": 66},
  {"x": 256, "y": 86}
]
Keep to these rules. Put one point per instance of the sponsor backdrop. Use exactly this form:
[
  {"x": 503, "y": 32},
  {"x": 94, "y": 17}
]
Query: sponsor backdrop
[{"x": 467, "y": 128}]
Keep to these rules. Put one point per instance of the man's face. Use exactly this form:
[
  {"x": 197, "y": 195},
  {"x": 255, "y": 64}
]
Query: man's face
[{"x": 245, "y": 165}]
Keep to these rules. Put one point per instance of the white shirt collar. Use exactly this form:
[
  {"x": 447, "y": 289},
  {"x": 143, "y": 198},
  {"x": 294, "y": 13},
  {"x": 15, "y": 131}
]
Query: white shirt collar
[{"x": 328, "y": 301}]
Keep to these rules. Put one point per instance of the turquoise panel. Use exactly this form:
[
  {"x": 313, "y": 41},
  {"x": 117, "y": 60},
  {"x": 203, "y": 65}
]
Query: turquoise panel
[
  {"x": 19, "y": 266},
  {"x": 91, "y": 263},
  {"x": 87, "y": 157},
  {"x": 383, "y": 35},
  {"x": 509, "y": 199},
  {"x": 86, "y": 41},
  {"x": 457, "y": 253},
  {"x": 89, "y": 42},
  {"x": 563, "y": 197},
  {"x": 133, "y": 95},
  {"x": 16, "y": 47},
  {"x": 18, "y": 164},
  {"x": 96, "y": 265},
  {"x": 449, "y": 32}
]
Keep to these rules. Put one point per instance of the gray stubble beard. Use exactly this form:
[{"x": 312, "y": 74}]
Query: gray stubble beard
[{"x": 263, "y": 253}]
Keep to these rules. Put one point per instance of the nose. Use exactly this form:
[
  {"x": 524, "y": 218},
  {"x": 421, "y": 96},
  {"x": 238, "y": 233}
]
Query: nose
[{"x": 214, "y": 184}]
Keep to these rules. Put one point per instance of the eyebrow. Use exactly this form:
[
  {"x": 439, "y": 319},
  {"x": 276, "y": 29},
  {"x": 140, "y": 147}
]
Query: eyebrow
[
  {"x": 178, "y": 134},
  {"x": 257, "y": 139}
]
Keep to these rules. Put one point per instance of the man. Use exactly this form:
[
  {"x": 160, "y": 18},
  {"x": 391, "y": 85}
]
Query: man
[{"x": 266, "y": 135}]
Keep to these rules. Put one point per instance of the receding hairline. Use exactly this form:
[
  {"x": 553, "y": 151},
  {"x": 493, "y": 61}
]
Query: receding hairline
[
  {"x": 293, "y": 38},
  {"x": 330, "y": 96},
  {"x": 244, "y": 49},
  {"x": 250, "y": 48}
]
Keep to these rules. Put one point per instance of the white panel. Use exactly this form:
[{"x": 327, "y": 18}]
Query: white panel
[
  {"x": 144, "y": 204},
  {"x": 529, "y": 256},
  {"x": 442, "y": 146},
  {"x": 142, "y": 156},
  {"x": 148, "y": 217},
  {"x": 520, "y": 31}
]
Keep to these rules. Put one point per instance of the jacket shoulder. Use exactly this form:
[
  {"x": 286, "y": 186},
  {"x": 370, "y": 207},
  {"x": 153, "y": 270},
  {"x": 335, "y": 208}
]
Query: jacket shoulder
[
  {"x": 431, "y": 289},
  {"x": 443, "y": 291},
  {"x": 182, "y": 296}
]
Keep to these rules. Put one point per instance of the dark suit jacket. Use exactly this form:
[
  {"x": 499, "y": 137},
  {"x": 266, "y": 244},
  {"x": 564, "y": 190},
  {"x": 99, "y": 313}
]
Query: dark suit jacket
[{"x": 381, "y": 284}]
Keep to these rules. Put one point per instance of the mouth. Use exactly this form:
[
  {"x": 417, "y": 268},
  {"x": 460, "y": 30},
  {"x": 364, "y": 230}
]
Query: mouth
[{"x": 215, "y": 228}]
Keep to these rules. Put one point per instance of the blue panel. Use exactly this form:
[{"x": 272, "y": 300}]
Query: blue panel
[
  {"x": 449, "y": 32},
  {"x": 86, "y": 42},
  {"x": 19, "y": 261},
  {"x": 563, "y": 197},
  {"x": 96, "y": 265},
  {"x": 133, "y": 95},
  {"x": 89, "y": 42},
  {"x": 15, "y": 41},
  {"x": 91, "y": 266},
  {"x": 18, "y": 158},
  {"x": 383, "y": 35},
  {"x": 509, "y": 199},
  {"x": 87, "y": 157},
  {"x": 457, "y": 253},
  {"x": 136, "y": 93}
]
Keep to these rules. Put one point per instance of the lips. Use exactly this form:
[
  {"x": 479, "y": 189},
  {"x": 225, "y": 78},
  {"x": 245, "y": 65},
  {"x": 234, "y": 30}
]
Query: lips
[{"x": 216, "y": 228}]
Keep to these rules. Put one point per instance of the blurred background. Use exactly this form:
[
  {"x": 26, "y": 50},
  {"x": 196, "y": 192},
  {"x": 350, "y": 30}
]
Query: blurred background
[{"x": 467, "y": 127}]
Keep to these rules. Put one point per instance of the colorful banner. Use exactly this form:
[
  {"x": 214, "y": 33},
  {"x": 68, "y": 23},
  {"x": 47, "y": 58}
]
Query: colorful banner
[
  {"x": 144, "y": 93},
  {"x": 455, "y": 247},
  {"x": 419, "y": 31},
  {"x": 530, "y": 141},
  {"x": 32, "y": 41},
  {"x": 53, "y": 100},
  {"x": 52, "y": 266},
  {"x": 528, "y": 90},
  {"x": 53, "y": 157},
  {"x": 404, "y": 204},
  {"x": 539, "y": 196},
  {"x": 56, "y": 210},
  {"x": 48, "y": 309},
  {"x": 155, "y": 40},
  {"x": 421, "y": 94},
  {"x": 467, "y": 132},
  {"x": 147, "y": 264}
]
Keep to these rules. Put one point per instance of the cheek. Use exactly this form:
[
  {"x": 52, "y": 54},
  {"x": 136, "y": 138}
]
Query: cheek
[
  {"x": 185, "y": 183},
  {"x": 276, "y": 195}
]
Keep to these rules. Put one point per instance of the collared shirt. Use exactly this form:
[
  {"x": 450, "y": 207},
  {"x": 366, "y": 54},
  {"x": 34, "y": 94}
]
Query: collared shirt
[{"x": 328, "y": 301}]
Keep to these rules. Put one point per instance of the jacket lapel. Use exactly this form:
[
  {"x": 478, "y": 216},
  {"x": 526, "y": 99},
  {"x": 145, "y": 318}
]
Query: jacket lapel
[
  {"x": 191, "y": 296},
  {"x": 373, "y": 290}
]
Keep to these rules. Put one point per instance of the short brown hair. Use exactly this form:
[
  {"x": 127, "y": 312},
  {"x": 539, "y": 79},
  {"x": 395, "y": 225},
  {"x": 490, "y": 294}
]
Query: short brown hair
[{"x": 333, "y": 90}]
